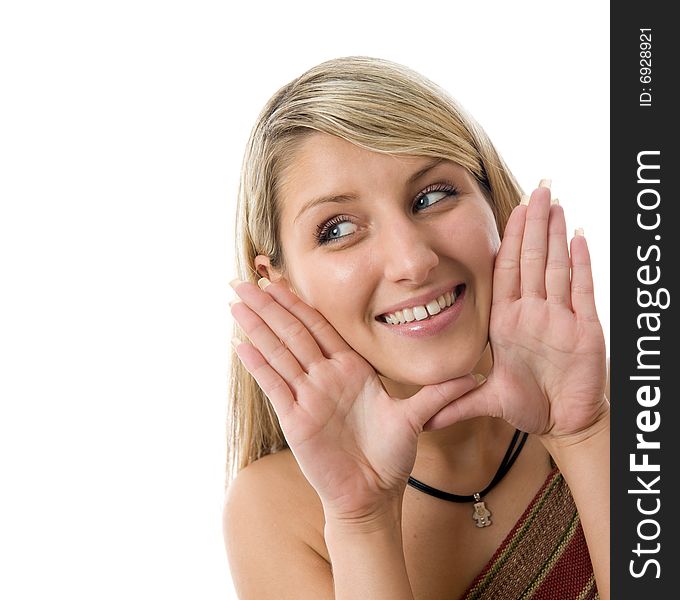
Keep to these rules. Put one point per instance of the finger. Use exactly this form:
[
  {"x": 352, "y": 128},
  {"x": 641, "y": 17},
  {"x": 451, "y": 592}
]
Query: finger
[
  {"x": 558, "y": 264},
  {"x": 506, "y": 274},
  {"x": 582, "y": 292},
  {"x": 282, "y": 327},
  {"x": 479, "y": 402},
  {"x": 266, "y": 342},
  {"x": 327, "y": 338},
  {"x": 432, "y": 398},
  {"x": 535, "y": 244},
  {"x": 267, "y": 378}
]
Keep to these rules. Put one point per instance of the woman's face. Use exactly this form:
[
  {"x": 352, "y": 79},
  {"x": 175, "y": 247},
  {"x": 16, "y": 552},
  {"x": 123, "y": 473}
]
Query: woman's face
[{"x": 391, "y": 232}]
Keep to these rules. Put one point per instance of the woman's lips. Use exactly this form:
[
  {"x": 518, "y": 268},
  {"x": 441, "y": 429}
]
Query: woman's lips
[
  {"x": 421, "y": 300},
  {"x": 433, "y": 324}
]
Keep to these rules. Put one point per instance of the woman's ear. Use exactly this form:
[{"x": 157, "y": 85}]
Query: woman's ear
[{"x": 264, "y": 268}]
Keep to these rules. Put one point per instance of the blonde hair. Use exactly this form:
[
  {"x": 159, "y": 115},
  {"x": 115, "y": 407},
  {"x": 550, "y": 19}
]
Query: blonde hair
[{"x": 378, "y": 105}]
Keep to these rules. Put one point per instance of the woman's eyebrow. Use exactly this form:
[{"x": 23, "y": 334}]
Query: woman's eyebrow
[
  {"x": 344, "y": 198},
  {"x": 431, "y": 165},
  {"x": 340, "y": 199}
]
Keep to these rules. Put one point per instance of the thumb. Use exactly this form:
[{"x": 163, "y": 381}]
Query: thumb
[
  {"x": 480, "y": 401},
  {"x": 431, "y": 399}
]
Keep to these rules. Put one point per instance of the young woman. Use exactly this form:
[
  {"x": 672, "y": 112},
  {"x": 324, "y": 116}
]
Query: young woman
[{"x": 419, "y": 408}]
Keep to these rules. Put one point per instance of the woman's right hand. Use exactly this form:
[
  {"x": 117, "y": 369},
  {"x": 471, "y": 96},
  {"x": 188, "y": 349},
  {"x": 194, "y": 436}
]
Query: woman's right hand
[{"x": 355, "y": 444}]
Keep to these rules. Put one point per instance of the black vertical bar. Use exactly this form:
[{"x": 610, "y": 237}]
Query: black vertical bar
[{"x": 644, "y": 116}]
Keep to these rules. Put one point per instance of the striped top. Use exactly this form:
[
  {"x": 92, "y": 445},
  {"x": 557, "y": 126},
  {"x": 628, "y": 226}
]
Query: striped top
[{"x": 544, "y": 557}]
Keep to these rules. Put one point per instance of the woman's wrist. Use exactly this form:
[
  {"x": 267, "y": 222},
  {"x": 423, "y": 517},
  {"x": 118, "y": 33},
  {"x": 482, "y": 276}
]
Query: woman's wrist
[
  {"x": 380, "y": 519},
  {"x": 595, "y": 435}
]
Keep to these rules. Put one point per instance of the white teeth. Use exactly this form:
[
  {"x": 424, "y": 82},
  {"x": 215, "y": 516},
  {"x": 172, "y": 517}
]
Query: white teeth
[
  {"x": 433, "y": 307},
  {"x": 418, "y": 313}
]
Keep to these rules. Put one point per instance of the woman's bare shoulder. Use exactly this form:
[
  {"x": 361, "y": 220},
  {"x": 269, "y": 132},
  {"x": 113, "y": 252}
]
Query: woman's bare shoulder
[
  {"x": 275, "y": 479},
  {"x": 272, "y": 518},
  {"x": 274, "y": 487}
]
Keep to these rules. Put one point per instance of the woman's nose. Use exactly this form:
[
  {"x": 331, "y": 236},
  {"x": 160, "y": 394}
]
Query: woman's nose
[{"x": 407, "y": 252}]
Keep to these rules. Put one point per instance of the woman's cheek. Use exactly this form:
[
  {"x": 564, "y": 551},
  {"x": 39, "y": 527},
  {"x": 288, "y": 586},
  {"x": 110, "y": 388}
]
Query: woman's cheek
[{"x": 343, "y": 284}]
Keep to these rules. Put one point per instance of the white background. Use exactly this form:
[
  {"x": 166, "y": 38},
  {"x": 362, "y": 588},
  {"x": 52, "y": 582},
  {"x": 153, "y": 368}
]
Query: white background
[{"x": 122, "y": 126}]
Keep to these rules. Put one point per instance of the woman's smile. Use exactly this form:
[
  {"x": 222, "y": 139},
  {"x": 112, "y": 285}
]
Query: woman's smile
[
  {"x": 426, "y": 320},
  {"x": 397, "y": 252}
]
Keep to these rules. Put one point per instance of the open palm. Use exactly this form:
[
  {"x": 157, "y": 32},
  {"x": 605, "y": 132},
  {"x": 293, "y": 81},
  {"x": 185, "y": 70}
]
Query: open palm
[
  {"x": 549, "y": 364},
  {"x": 354, "y": 442}
]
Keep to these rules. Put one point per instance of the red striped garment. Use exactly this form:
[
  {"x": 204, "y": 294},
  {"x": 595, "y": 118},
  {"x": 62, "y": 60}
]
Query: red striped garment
[{"x": 544, "y": 557}]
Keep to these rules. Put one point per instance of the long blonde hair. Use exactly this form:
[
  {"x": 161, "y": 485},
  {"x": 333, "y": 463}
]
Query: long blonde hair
[{"x": 373, "y": 103}]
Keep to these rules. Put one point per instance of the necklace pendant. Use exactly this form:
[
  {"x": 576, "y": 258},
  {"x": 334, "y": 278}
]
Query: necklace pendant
[{"x": 481, "y": 513}]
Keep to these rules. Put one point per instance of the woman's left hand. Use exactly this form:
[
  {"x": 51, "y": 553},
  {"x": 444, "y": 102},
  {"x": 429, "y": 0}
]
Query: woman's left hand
[{"x": 549, "y": 358}]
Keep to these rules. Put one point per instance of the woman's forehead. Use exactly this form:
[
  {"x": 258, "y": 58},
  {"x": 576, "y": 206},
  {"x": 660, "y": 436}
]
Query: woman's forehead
[{"x": 324, "y": 165}]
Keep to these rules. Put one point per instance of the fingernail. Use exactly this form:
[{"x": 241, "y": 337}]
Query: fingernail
[
  {"x": 234, "y": 301},
  {"x": 235, "y": 342},
  {"x": 234, "y": 282},
  {"x": 480, "y": 378},
  {"x": 578, "y": 232},
  {"x": 546, "y": 183},
  {"x": 524, "y": 200},
  {"x": 555, "y": 201},
  {"x": 263, "y": 282}
]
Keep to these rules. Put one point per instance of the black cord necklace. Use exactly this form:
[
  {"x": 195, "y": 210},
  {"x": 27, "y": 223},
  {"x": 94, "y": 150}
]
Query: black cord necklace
[{"x": 481, "y": 513}]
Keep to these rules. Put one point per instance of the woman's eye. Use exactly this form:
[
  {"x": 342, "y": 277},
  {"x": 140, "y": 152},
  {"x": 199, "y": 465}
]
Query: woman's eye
[
  {"x": 335, "y": 230},
  {"x": 430, "y": 198}
]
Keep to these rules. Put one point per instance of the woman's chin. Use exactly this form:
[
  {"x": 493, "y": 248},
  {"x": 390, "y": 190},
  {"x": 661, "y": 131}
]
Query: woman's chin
[
  {"x": 408, "y": 374},
  {"x": 419, "y": 377}
]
